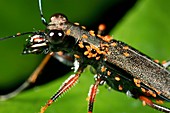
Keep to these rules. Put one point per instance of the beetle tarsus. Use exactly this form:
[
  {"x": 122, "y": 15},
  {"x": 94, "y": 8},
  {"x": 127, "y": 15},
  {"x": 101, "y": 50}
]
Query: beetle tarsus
[
  {"x": 148, "y": 102},
  {"x": 92, "y": 94}
]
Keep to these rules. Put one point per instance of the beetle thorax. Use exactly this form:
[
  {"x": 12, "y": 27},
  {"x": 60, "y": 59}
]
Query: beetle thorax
[{"x": 57, "y": 22}]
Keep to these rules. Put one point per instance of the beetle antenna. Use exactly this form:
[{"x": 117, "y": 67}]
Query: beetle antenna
[
  {"x": 41, "y": 13},
  {"x": 16, "y": 35}
]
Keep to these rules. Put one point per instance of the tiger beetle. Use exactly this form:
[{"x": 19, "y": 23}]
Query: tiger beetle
[{"x": 115, "y": 63}]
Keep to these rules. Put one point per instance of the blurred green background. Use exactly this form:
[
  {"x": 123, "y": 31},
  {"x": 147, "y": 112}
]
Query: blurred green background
[{"x": 145, "y": 26}]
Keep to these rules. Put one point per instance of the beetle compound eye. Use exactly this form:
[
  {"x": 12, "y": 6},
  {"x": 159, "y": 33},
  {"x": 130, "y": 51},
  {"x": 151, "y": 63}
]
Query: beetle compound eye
[{"x": 55, "y": 36}]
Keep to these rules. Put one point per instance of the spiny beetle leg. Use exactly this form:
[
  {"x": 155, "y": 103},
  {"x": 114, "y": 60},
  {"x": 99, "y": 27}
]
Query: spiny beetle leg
[
  {"x": 64, "y": 87},
  {"x": 92, "y": 94},
  {"x": 154, "y": 105},
  {"x": 29, "y": 81}
]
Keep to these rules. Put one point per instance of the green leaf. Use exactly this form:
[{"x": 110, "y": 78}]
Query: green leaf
[{"x": 146, "y": 27}]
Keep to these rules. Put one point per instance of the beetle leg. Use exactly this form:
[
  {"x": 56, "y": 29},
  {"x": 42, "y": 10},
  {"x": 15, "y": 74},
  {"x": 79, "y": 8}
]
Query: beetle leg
[
  {"x": 64, "y": 58},
  {"x": 101, "y": 29},
  {"x": 92, "y": 94},
  {"x": 148, "y": 102},
  {"x": 29, "y": 81},
  {"x": 166, "y": 64},
  {"x": 64, "y": 87}
]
